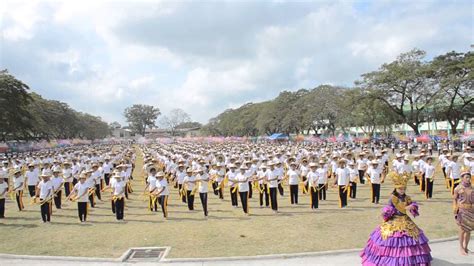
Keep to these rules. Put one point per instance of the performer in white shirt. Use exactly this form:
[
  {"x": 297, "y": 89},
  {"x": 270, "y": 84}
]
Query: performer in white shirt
[{"x": 342, "y": 182}]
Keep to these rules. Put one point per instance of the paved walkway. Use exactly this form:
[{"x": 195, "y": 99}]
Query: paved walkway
[{"x": 445, "y": 253}]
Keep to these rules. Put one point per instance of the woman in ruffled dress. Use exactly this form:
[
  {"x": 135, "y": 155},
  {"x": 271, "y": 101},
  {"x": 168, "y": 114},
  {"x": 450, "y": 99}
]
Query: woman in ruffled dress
[
  {"x": 397, "y": 241},
  {"x": 464, "y": 210}
]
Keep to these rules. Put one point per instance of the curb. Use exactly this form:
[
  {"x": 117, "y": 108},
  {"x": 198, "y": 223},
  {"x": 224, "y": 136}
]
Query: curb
[{"x": 178, "y": 260}]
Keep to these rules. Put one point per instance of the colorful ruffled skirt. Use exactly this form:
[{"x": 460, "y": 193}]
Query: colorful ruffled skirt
[{"x": 397, "y": 249}]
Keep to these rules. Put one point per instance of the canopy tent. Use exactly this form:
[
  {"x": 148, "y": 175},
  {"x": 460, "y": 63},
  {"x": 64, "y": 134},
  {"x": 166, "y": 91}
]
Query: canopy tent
[{"x": 278, "y": 136}]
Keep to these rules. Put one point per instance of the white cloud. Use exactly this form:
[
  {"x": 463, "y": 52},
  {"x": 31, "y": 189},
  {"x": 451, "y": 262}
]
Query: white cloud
[{"x": 203, "y": 57}]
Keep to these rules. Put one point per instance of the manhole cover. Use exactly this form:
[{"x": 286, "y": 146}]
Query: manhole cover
[{"x": 144, "y": 254}]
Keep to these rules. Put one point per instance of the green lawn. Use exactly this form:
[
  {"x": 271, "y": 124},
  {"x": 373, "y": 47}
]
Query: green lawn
[{"x": 227, "y": 231}]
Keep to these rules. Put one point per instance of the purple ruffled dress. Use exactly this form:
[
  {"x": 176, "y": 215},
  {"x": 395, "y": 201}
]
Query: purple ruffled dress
[{"x": 398, "y": 241}]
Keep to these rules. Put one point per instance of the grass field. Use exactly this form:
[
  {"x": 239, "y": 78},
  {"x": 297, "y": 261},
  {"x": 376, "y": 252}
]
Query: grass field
[{"x": 227, "y": 231}]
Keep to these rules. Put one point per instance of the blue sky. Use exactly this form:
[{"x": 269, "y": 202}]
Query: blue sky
[{"x": 207, "y": 56}]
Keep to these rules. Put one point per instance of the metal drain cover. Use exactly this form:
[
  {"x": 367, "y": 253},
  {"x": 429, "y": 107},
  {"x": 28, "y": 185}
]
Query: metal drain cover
[{"x": 143, "y": 254}]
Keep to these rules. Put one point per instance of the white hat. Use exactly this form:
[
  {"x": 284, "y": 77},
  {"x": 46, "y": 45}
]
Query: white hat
[{"x": 312, "y": 165}]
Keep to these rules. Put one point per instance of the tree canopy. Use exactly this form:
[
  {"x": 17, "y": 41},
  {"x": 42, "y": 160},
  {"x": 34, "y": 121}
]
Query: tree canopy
[
  {"x": 408, "y": 90},
  {"x": 26, "y": 115},
  {"x": 140, "y": 117}
]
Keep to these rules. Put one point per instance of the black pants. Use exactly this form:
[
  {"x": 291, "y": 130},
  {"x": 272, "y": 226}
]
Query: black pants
[
  {"x": 215, "y": 188},
  {"x": 190, "y": 199},
  {"x": 97, "y": 191},
  {"x": 244, "y": 198},
  {"x": 422, "y": 183},
  {"x": 32, "y": 190},
  {"x": 220, "y": 190},
  {"x": 119, "y": 206},
  {"x": 46, "y": 209},
  {"x": 431, "y": 151},
  {"x": 152, "y": 205},
  {"x": 273, "y": 198},
  {"x": 314, "y": 197},
  {"x": 82, "y": 211},
  {"x": 57, "y": 199},
  {"x": 375, "y": 193},
  {"x": 250, "y": 190},
  {"x": 233, "y": 197},
  {"x": 322, "y": 191},
  {"x": 92, "y": 200},
  {"x": 294, "y": 194},
  {"x": 183, "y": 195},
  {"x": 264, "y": 193},
  {"x": 353, "y": 189},
  {"x": 163, "y": 201},
  {"x": 67, "y": 188},
  {"x": 107, "y": 179},
  {"x": 361, "y": 176},
  {"x": 113, "y": 206},
  {"x": 429, "y": 188},
  {"x": 203, "y": 197},
  {"x": 342, "y": 196},
  {"x": 280, "y": 189},
  {"x": 2, "y": 208},
  {"x": 19, "y": 199},
  {"x": 416, "y": 179}
]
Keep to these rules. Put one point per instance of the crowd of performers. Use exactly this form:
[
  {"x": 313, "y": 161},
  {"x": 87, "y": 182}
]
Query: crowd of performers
[{"x": 236, "y": 171}]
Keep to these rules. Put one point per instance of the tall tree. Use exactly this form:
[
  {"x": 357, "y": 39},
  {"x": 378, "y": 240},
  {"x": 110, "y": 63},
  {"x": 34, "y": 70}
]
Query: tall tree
[
  {"x": 140, "y": 116},
  {"x": 406, "y": 86},
  {"x": 455, "y": 76},
  {"x": 15, "y": 120},
  {"x": 175, "y": 118}
]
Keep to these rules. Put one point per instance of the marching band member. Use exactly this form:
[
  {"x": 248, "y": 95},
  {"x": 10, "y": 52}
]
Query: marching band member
[
  {"x": 280, "y": 173},
  {"x": 242, "y": 181},
  {"x": 203, "y": 179},
  {"x": 342, "y": 182},
  {"x": 293, "y": 182},
  {"x": 322, "y": 173},
  {"x": 353, "y": 176},
  {"x": 45, "y": 193},
  {"x": 18, "y": 184},
  {"x": 151, "y": 187},
  {"x": 304, "y": 171},
  {"x": 232, "y": 184},
  {"x": 272, "y": 180},
  {"x": 118, "y": 196},
  {"x": 3, "y": 192},
  {"x": 454, "y": 172},
  {"x": 180, "y": 175},
  {"x": 32, "y": 179},
  {"x": 189, "y": 183},
  {"x": 80, "y": 194},
  {"x": 262, "y": 185},
  {"x": 67, "y": 175},
  {"x": 428, "y": 173},
  {"x": 107, "y": 167},
  {"x": 162, "y": 192},
  {"x": 362, "y": 167},
  {"x": 57, "y": 183},
  {"x": 313, "y": 186},
  {"x": 96, "y": 176},
  {"x": 375, "y": 176},
  {"x": 75, "y": 170}
]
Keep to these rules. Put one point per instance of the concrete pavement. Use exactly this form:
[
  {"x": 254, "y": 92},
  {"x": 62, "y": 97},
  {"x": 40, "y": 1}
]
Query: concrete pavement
[{"x": 445, "y": 253}]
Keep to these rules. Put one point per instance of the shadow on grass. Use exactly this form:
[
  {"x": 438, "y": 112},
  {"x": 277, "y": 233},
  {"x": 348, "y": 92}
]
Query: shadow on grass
[{"x": 19, "y": 225}]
